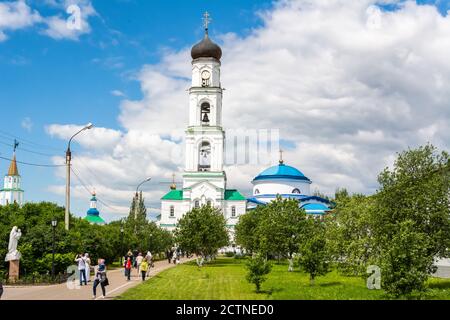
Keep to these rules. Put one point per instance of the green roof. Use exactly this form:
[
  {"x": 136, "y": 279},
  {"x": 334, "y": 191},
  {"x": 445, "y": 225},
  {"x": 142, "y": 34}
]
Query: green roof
[
  {"x": 173, "y": 195},
  {"x": 233, "y": 194},
  {"x": 94, "y": 219}
]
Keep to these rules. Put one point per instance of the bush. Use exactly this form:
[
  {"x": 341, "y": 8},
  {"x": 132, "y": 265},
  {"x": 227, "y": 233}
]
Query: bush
[{"x": 258, "y": 267}]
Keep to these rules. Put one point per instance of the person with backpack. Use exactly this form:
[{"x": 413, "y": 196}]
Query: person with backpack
[{"x": 100, "y": 278}]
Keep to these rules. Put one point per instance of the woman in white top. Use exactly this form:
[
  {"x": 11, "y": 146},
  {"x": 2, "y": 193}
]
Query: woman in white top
[{"x": 87, "y": 262}]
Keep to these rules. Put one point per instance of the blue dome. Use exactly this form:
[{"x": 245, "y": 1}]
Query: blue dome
[
  {"x": 281, "y": 171},
  {"x": 93, "y": 212}
]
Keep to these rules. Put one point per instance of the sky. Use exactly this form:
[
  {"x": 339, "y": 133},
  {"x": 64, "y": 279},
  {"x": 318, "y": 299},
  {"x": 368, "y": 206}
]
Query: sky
[{"x": 348, "y": 84}]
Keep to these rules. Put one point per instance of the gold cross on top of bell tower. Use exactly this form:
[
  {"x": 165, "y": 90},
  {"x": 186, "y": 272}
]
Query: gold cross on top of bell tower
[{"x": 206, "y": 20}]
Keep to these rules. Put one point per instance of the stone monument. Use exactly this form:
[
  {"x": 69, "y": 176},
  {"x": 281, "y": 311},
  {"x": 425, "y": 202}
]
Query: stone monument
[{"x": 13, "y": 255}]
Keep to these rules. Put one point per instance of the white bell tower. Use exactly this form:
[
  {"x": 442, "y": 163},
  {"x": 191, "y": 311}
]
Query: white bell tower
[
  {"x": 12, "y": 191},
  {"x": 205, "y": 135}
]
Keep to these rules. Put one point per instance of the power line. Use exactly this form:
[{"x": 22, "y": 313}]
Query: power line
[
  {"x": 27, "y": 150},
  {"x": 86, "y": 187},
  {"x": 90, "y": 192},
  {"x": 25, "y": 141},
  {"x": 36, "y": 164}
]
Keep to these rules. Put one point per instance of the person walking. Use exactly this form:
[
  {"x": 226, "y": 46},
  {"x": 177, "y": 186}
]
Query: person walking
[
  {"x": 149, "y": 259},
  {"x": 128, "y": 266},
  {"x": 100, "y": 278},
  {"x": 143, "y": 269},
  {"x": 87, "y": 262},
  {"x": 174, "y": 257},
  {"x": 81, "y": 268},
  {"x": 139, "y": 260},
  {"x": 168, "y": 255}
]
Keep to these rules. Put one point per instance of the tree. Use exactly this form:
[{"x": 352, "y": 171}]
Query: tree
[
  {"x": 348, "y": 233},
  {"x": 314, "y": 254},
  {"x": 202, "y": 231},
  {"x": 137, "y": 218},
  {"x": 281, "y": 228},
  {"x": 258, "y": 267},
  {"x": 403, "y": 262},
  {"x": 245, "y": 230},
  {"x": 413, "y": 203}
]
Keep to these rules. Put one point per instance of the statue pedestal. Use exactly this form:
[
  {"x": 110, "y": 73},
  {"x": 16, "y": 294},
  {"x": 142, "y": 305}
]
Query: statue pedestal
[{"x": 13, "y": 270}]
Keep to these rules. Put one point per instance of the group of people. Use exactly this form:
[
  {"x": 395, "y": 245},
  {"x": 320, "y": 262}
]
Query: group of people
[
  {"x": 100, "y": 278},
  {"x": 141, "y": 263},
  {"x": 173, "y": 255}
]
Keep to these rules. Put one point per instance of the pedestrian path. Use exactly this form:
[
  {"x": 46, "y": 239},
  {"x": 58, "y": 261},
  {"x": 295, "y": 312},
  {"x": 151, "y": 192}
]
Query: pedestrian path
[{"x": 117, "y": 285}]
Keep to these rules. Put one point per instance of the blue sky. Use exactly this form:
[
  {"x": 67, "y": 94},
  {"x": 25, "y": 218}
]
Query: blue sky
[
  {"x": 60, "y": 81},
  {"x": 46, "y": 81}
]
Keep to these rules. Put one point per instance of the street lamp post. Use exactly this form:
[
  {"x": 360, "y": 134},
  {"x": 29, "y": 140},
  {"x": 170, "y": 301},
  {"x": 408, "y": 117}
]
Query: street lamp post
[
  {"x": 68, "y": 159},
  {"x": 137, "y": 191},
  {"x": 54, "y": 223},
  {"x": 121, "y": 245}
]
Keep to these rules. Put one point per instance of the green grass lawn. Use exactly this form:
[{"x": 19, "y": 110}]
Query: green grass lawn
[{"x": 224, "y": 279}]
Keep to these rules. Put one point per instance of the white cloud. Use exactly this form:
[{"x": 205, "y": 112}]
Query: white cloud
[
  {"x": 16, "y": 15},
  {"x": 27, "y": 124},
  {"x": 58, "y": 27},
  {"x": 118, "y": 93},
  {"x": 348, "y": 86}
]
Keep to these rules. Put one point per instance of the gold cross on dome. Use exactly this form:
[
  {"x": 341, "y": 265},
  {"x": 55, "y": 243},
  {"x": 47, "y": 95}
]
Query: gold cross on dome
[{"x": 206, "y": 19}]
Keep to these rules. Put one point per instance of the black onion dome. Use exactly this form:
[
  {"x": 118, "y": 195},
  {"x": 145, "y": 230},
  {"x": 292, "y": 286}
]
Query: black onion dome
[{"x": 206, "y": 49}]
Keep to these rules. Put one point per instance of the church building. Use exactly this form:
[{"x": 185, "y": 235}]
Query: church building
[
  {"x": 12, "y": 191},
  {"x": 204, "y": 178},
  {"x": 93, "y": 215},
  {"x": 288, "y": 183}
]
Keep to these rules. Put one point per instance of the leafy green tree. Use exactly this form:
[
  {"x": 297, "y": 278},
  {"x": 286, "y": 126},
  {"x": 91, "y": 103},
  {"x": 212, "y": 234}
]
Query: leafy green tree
[
  {"x": 414, "y": 199},
  {"x": 202, "y": 231},
  {"x": 245, "y": 230},
  {"x": 258, "y": 268},
  {"x": 281, "y": 228},
  {"x": 404, "y": 261},
  {"x": 314, "y": 253},
  {"x": 348, "y": 233}
]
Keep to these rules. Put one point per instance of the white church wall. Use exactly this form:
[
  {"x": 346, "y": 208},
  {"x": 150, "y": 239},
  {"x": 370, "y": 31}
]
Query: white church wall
[{"x": 280, "y": 187}]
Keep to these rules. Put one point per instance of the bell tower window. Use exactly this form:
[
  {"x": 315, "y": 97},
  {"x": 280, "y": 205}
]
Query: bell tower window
[
  {"x": 205, "y": 114},
  {"x": 204, "y": 161}
]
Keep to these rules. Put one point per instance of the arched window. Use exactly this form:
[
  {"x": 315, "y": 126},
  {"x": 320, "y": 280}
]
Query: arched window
[
  {"x": 205, "y": 113},
  {"x": 172, "y": 211},
  {"x": 233, "y": 211},
  {"x": 196, "y": 204},
  {"x": 296, "y": 190},
  {"x": 208, "y": 203},
  {"x": 256, "y": 191},
  {"x": 204, "y": 159}
]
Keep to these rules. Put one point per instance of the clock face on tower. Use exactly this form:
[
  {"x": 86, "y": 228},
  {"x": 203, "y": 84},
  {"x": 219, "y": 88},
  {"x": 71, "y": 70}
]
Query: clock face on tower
[{"x": 205, "y": 75}]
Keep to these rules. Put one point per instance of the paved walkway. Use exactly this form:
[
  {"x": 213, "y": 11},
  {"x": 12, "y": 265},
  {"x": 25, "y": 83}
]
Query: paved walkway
[{"x": 117, "y": 285}]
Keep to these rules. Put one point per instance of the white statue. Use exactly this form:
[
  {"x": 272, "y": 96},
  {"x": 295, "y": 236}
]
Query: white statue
[{"x": 14, "y": 237}]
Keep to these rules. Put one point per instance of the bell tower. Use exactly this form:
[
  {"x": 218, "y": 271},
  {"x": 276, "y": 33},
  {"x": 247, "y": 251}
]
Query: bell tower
[
  {"x": 205, "y": 135},
  {"x": 12, "y": 191}
]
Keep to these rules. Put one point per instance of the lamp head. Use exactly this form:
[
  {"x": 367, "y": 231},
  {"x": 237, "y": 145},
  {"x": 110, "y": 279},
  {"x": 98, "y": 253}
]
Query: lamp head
[{"x": 89, "y": 126}]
